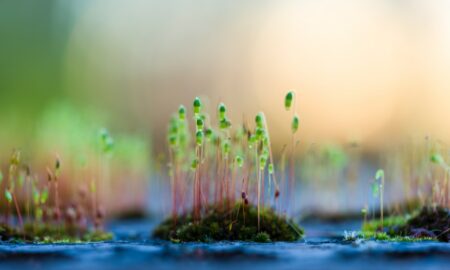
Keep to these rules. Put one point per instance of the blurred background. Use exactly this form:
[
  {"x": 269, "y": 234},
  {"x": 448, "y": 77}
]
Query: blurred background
[{"x": 373, "y": 73}]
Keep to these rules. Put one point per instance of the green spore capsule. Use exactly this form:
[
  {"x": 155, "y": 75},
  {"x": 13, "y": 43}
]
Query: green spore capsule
[
  {"x": 225, "y": 123},
  {"x": 197, "y": 105},
  {"x": 181, "y": 112},
  {"x": 262, "y": 162},
  {"x": 226, "y": 147},
  {"x": 270, "y": 168},
  {"x": 260, "y": 132},
  {"x": 239, "y": 161},
  {"x": 173, "y": 129},
  {"x": 199, "y": 123},
  {"x": 295, "y": 123},
  {"x": 209, "y": 134},
  {"x": 194, "y": 164},
  {"x": 172, "y": 140},
  {"x": 379, "y": 174},
  {"x": 36, "y": 196},
  {"x": 104, "y": 134},
  {"x": 437, "y": 159},
  {"x": 44, "y": 196},
  {"x": 259, "y": 120},
  {"x": 199, "y": 137},
  {"x": 8, "y": 196},
  {"x": 288, "y": 100},
  {"x": 222, "y": 111}
]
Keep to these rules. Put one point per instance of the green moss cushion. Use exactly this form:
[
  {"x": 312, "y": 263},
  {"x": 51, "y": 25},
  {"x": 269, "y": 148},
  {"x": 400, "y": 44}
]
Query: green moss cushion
[{"x": 240, "y": 223}]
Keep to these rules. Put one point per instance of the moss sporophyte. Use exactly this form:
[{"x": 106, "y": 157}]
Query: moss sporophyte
[
  {"x": 224, "y": 182},
  {"x": 46, "y": 220},
  {"x": 290, "y": 104}
]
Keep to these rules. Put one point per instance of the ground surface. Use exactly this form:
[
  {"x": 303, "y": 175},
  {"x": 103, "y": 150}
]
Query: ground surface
[{"x": 321, "y": 248}]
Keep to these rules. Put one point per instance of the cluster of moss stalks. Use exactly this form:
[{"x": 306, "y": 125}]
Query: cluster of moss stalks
[
  {"x": 46, "y": 233},
  {"x": 429, "y": 223},
  {"x": 220, "y": 223},
  {"x": 46, "y": 219}
]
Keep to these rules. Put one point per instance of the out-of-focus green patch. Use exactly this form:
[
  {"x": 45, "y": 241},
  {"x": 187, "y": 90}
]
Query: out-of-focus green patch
[
  {"x": 390, "y": 223},
  {"x": 52, "y": 234}
]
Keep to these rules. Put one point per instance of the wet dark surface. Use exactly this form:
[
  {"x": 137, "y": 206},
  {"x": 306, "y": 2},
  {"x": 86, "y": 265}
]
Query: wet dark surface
[{"x": 322, "y": 248}]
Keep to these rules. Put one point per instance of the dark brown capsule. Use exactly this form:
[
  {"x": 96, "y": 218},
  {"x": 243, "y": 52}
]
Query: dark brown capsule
[
  {"x": 57, "y": 163},
  {"x": 277, "y": 193},
  {"x": 100, "y": 213},
  {"x": 27, "y": 170}
]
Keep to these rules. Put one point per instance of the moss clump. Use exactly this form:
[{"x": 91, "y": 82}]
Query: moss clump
[
  {"x": 52, "y": 234},
  {"x": 236, "y": 224},
  {"x": 262, "y": 237},
  {"x": 390, "y": 225},
  {"x": 430, "y": 223}
]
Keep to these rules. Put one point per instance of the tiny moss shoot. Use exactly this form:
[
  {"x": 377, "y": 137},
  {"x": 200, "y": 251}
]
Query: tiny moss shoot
[{"x": 379, "y": 176}]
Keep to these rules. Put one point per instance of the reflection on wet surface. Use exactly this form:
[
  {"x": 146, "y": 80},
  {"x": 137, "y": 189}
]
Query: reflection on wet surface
[{"x": 323, "y": 247}]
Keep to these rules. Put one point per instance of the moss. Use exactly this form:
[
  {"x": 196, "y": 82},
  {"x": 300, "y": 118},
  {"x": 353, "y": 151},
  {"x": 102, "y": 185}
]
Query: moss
[
  {"x": 51, "y": 234},
  {"x": 236, "y": 224},
  {"x": 262, "y": 237},
  {"x": 430, "y": 223},
  {"x": 390, "y": 224}
]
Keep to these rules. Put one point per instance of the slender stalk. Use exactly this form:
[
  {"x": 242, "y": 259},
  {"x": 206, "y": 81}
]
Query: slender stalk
[
  {"x": 381, "y": 202},
  {"x": 28, "y": 194},
  {"x": 271, "y": 156},
  {"x": 19, "y": 215},
  {"x": 292, "y": 173},
  {"x": 446, "y": 199},
  {"x": 55, "y": 183},
  {"x": 196, "y": 201},
  {"x": 259, "y": 186},
  {"x": 172, "y": 180},
  {"x": 282, "y": 170}
]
